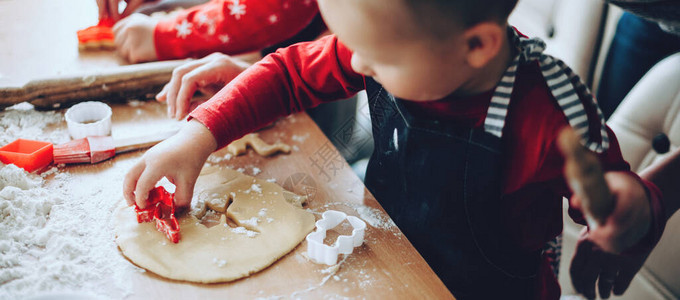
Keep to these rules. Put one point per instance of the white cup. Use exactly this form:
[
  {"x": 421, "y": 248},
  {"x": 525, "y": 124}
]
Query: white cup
[{"x": 90, "y": 118}]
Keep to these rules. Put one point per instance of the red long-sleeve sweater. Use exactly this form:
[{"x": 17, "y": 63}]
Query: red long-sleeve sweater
[
  {"x": 231, "y": 27},
  {"x": 307, "y": 74}
]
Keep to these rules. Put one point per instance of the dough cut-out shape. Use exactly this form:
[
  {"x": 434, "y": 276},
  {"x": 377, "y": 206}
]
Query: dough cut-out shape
[
  {"x": 268, "y": 226},
  {"x": 345, "y": 244},
  {"x": 253, "y": 140}
]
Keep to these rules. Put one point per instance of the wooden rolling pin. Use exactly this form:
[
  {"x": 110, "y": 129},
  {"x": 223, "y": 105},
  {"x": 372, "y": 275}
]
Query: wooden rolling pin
[
  {"x": 586, "y": 179},
  {"x": 131, "y": 81}
]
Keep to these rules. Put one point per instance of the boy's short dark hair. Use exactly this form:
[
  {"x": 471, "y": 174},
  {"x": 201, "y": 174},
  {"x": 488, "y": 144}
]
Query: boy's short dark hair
[{"x": 438, "y": 15}]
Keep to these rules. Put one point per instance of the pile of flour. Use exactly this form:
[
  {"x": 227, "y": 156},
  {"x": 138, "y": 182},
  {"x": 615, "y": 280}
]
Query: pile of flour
[
  {"x": 53, "y": 238},
  {"x": 22, "y": 121}
]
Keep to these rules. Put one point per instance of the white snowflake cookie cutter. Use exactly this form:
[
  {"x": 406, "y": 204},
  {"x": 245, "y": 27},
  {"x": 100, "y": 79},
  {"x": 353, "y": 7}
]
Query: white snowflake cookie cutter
[{"x": 321, "y": 253}]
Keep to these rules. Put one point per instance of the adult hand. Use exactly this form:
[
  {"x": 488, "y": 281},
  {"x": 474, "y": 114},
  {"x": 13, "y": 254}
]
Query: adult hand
[
  {"x": 612, "y": 272},
  {"x": 109, "y": 8},
  {"x": 209, "y": 75},
  {"x": 134, "y": 38}
]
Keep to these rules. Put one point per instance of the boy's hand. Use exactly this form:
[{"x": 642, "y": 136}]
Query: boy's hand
[
  {"x": 109, "y": 8},
  {"x": 179, "y": 158},
  {"x": 209, "y": 75},
  {"x": 631, "y": 219},
  {"x": 613, "y": 272},
  {"x": 134, "y": 38}
]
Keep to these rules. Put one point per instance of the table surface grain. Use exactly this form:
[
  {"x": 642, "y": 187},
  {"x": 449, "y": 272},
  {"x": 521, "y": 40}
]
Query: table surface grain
[{"x": 43, "y": 44}]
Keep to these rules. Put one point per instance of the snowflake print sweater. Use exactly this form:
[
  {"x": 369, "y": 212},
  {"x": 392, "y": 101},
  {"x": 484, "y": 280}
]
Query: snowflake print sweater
[{"x": 231, "y": 27}]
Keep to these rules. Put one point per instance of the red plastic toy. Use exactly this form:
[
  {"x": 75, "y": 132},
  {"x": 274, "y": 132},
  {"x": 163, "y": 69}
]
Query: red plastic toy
[
  {"x": 161, "y": 209},
  {"x": 27, "y": 154},
  {"x": 97, "y": 37}
]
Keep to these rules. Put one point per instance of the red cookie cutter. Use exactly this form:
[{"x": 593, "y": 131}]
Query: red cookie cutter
[
  {"x": 161, "y": 209},
  {"x": 99, "y": 36}
]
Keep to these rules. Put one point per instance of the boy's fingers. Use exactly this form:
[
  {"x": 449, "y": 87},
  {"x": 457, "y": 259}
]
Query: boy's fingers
[
  {"x": 176, "y": 82},
  {"x": 163, "y": 94},
  {"x": 130, "y": 182},
  {"x": 190, "y": 83},
  {"x": 183, "y": 192},
  {"x": 147, "y": 181}
]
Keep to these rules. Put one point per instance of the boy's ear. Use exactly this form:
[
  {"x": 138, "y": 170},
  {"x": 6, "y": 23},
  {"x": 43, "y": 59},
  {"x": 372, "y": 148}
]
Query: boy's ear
[{"x": 484, "y": 42}]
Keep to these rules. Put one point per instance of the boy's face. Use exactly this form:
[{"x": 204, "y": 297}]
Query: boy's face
[{"x": 388, "y": 46}]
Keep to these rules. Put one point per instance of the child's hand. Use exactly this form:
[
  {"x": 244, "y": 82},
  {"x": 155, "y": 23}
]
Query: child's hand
[
  {"x": 179, "y": 158},
  {"x": 613, "y": 272},
  {"x": 209, "y": 75},
  {"x": 109, "y": 8},
  {"x": 631, "y": 219},
  {"x": 134, "y": 38}
]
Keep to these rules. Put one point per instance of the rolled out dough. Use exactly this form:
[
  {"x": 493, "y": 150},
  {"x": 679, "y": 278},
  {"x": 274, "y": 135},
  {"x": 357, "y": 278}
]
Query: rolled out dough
[{"x": 268, "y": 224}]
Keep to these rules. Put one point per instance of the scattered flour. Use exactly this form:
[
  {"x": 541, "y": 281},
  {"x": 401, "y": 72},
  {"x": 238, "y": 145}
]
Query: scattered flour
[
  {"x": 243, "y": 230},
  {"x": 262, "y": 212},
  {"x": 135, "y": 103},
  {"x": 254, "y": 188},
  {"x": 372, "y": 216},
  {"x": 300, "y": 138},
  {"x": 375, "y": 217},
  {"x": 44, "y": 246},
  {"x": 250, "y": 222},
  {"x": 219, "y": 262},
  {"x": 256, "y": 171},
  {"x": 216, "y": 159},
  {"x": 22, "y": 121}
]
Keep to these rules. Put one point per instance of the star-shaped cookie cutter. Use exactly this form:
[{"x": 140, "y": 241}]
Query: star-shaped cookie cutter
[
  {"x": 322, "y": 253},
  {"x": 161, "y": 209}
]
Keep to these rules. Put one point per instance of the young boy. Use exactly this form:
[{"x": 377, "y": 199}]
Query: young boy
[{"x": 464, "y": 124}]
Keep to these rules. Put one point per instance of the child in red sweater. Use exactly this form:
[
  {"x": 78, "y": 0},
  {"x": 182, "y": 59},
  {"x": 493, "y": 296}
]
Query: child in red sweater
[
  {"x": 465, "y": 114},
  {"x": 226, "y": 26}
]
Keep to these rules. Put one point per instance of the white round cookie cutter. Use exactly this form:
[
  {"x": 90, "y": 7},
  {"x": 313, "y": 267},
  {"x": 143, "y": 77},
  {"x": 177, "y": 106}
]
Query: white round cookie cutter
[
  {"x": 90, "y": 118},
  {"x": 322, "y": 253}
]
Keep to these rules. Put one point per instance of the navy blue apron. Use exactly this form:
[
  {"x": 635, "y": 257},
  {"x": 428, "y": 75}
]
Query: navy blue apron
[{"x": 441, "y": 184}]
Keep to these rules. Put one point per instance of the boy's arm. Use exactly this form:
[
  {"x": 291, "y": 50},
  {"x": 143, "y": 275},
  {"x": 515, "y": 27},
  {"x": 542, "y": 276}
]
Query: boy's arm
[
  {"x": 287, "y": 81},
  {"x": 231, "y": 27}
]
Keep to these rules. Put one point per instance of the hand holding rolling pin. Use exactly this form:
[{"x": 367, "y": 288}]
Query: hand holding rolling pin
[{"x": 615, "y": 203}]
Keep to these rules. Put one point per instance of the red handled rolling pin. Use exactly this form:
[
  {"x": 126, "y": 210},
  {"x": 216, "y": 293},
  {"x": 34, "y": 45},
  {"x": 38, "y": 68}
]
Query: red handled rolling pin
[
  {"x": 585, "y": 177},
  {"x": 94, "y": 149}
]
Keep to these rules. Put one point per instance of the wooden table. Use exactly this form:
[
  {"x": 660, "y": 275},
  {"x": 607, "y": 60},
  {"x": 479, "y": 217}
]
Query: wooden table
[{"x": 386, "y": 266}]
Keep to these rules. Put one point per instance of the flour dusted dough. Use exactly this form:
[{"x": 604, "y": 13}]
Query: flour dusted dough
[{"x": 269, "y": 226}]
